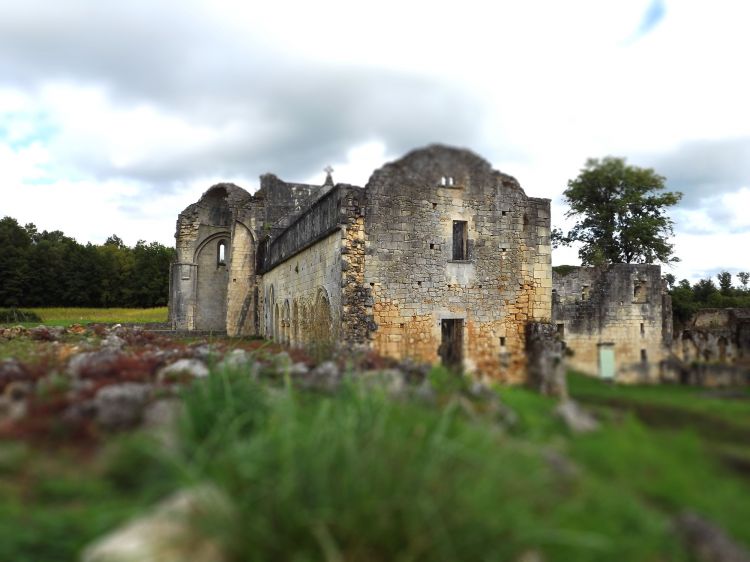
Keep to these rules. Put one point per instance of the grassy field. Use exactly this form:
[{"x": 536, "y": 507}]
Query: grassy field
[
  {"x": 68, "y": 316},
  {"x": 360, "y": 476}
]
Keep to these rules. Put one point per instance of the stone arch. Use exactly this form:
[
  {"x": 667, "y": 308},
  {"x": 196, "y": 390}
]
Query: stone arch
[
  {"x": 286, "y": 323},
  {"x": 295, "y": 323},
  {"x": 268, "y": 308},
  {"x": 304, "y": 322},
  {"x": 722, "y": 344},
  {"x": 276, "y": 323},
  {"x": 321, "y": 329},
  {"x": 211, "y": 283}
]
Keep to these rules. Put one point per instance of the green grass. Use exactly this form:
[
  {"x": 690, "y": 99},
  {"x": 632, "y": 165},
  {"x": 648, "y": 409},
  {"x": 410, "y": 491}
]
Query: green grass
[
  {"x": 55, "y": 501},
  {"x": 358, "y": 476},
  {"x": 68, "y": 316}
]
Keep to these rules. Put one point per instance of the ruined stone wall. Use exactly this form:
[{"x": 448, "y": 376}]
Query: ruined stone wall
[
  {"x": 713, "y": 335},
  {"x": 302, "y": 295},
  {"x": 241, "y": 315},
  {"x": 284, "y": 200},
  {"x": 503, "y": 282},
  {"x": 198, "y": 284},
  {"x": 619, "y": 306},
  {"x": 357, "y": 320}
]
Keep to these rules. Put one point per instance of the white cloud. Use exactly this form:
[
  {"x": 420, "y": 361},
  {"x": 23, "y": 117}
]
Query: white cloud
[{"x": 137, "y": 118}]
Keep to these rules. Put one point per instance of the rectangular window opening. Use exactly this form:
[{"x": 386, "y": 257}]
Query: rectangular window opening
[
  {"x": 561, "y": 330},
  {"x": 460, "y": 240},
  {"x": 640, "y": 291},
  {"x": 643, "y": 329},
  {"x": 644, "y": 356}
]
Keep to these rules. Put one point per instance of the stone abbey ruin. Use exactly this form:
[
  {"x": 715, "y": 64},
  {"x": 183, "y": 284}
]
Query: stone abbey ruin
[{"x": 438, "y": 258}]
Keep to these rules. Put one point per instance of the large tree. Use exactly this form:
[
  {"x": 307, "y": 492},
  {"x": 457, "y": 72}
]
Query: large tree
[{"x": 620, "y": 213}]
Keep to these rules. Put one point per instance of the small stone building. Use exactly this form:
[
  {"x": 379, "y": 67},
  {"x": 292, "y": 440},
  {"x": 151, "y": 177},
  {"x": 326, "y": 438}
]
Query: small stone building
[
  {"x": 616, "y": 320},
  {"x": 716, "y": 338},
  {"x": 438, "y": 258}
]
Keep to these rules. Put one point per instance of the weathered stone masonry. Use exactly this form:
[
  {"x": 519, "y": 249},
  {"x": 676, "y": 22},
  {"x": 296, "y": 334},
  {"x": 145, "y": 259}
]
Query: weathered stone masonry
[
  {"x": 616, "y": 320},
  {"x": 439, "y": 257}
]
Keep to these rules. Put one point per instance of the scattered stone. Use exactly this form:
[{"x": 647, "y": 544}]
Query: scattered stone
[
  {"x": 393, "y": 381},
  {"x": 94, "y": 364},
  {"x": 14, "y": 332},
  {"x": 575, "y": 417},
  {"x": 239, "y": 360},
  {"x": 424, "y": 393},
  {"x": 298, "y": 370},
  {"x": 281, "y": 362},
  {"x": 11, "y": 370},
  {"x": 546, "y": 353},
  {"x": 481, "y": 391},
  {"x": 77, "y": 329},
  {"x": 414, "y": 372},
  {"x": 707, "y": 542},
  {"x": 113, "y": 341},
  {"x": 183, "y": 367},
  {"x": 160, "y": 419},
  {"x": 120, "y": 406},
  {"x": 172, "y": 532},
  {"x": 325, "y": 377},
  {"x": 46, "y": 333},
  {"x": 13, "y": 402},
  {"x": 204, "y": 351},
  {"x": 79, "y": 412}
]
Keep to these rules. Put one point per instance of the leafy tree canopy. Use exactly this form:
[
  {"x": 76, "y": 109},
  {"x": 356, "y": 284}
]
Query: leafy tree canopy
[{"x": 620, "y": 213}]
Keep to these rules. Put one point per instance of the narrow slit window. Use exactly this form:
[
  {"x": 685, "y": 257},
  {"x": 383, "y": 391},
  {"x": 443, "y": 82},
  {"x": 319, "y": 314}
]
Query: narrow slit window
[
  {"x": 643, "y": 329},
  {"x": 644, "y": 356},
  {"x": 460, "y": 240},
  {"x": 221, "y": 254}
]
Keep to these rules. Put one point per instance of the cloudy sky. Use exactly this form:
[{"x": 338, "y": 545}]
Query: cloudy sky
[{"x": 114, "y": 116}]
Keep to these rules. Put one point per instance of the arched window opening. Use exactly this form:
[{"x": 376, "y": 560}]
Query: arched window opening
[{"x": 221, "y": 253}]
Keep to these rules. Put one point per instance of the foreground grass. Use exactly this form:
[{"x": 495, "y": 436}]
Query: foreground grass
[
  {"x": 68, "y": 316},
  {"x": 361, "y": 476}
]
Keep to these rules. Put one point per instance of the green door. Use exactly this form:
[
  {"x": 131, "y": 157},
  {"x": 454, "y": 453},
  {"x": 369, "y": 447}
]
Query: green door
[{"x": 606, "y": 360}]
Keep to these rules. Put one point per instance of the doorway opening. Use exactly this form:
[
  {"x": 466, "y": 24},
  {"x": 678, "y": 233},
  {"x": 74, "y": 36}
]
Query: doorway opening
[{"x": 452, "y": 343}]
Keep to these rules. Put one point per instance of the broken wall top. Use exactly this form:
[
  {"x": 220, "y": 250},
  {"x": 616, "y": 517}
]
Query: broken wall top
[{"x": 427, "y": 167}]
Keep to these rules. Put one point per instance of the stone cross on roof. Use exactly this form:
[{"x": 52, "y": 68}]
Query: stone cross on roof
[{"x": 328, "y": 170}]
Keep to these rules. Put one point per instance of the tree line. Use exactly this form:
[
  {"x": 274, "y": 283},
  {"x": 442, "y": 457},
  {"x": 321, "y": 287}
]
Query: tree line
[
  {"x": 51, "y": 269},
  {"x": 687, "y": 299}
]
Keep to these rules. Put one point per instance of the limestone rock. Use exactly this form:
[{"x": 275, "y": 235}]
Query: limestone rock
[
  {"x": 120, "y": 406},
  {"x": 325, "y": 377},
  {"x": 94, "y": 364},
  {"x": 393, "y": 381},
  {"x": 11, "y": 370},
  {"x": 575, "y": 417},
  {"x": 707, "y": 542},
  {"x": 191, "y": 367},
  {"x": 13, "y": 402},
  {"x": 298, "y": 370},
  {"x": 239, "y": 360},
  {"x": 46, "y": 333},
  {"x": 160, "y": 419},
  {"x": 172, "y": 532}
]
